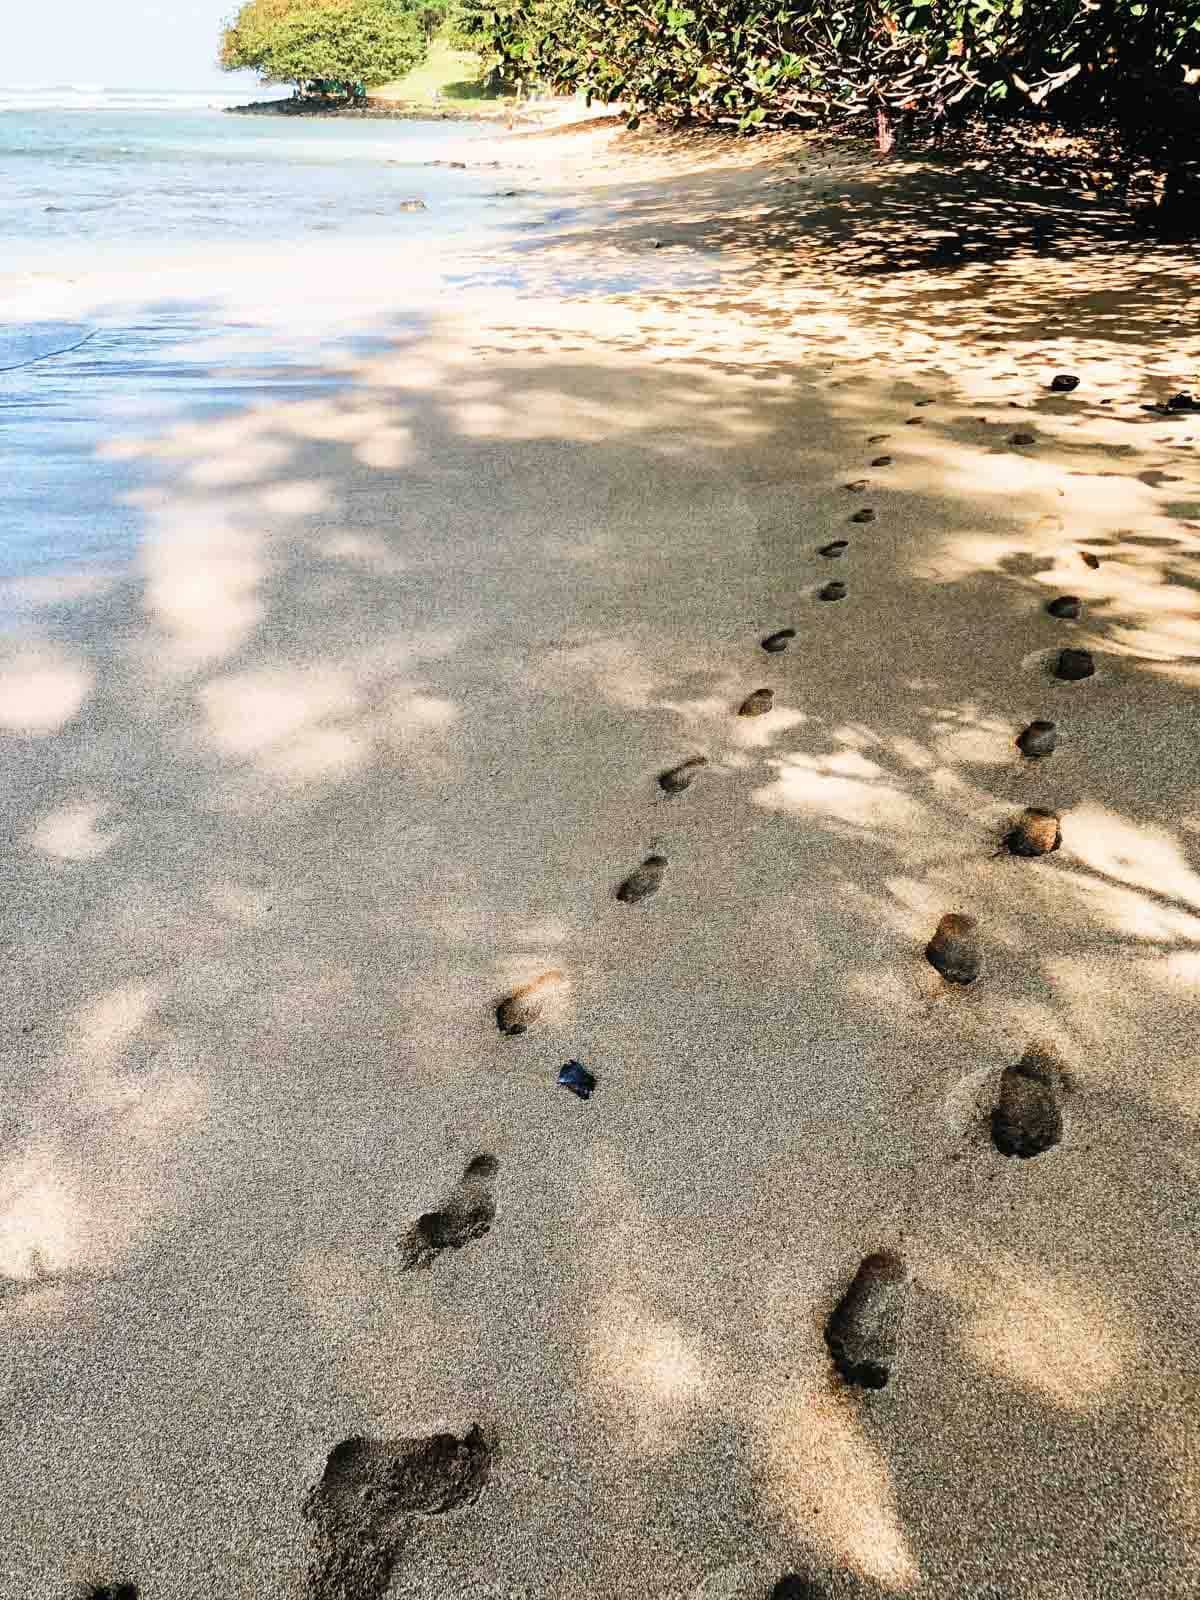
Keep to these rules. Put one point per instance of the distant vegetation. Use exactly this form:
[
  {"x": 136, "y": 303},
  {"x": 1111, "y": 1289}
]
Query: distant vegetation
[{"x": 336, "y": 48}]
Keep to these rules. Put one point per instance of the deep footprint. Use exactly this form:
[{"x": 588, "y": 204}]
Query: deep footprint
[
  {"x": 1068, "y": 606},
  {"x": 775, "y": 642},
  {"x": 882, "y": 461},
  {"x": 525, "y": 1005},
  {"x": 1037, "y": 740},
  {"x": 643, "y": 881},
  {"x": 834, "y": 548},
  {"x": 793, "y": 1587},
  {"x": 680, "y": 778},
  {"x": 360, "y": 1511},
  {"x": 954, "y": 949},
  {"x": 865, "y": 515},
  {"x": 834, "y": 590},
  {"x": 1027, "y": 1118},
  {"x": 1073, "y": 666},
  {"x": 863, "y": 1333},
  {"x": 468, "y": 1214},
  {"x": 105, "y": 1591},
  {"x": 757, "y": 704},
  {"x": 1035, "y": 833}
]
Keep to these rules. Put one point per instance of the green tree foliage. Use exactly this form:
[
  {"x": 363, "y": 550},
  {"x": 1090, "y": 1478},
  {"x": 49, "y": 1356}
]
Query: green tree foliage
[
  {"x": 758, "y": 61},
  {"x": 342, "y": 46}
]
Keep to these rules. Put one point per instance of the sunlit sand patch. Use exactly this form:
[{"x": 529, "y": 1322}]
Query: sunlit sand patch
[
  {"x": 255, "y": 713},
  {"x": 246, "y": 463},
  {"x": 72, "y": 833},
  {"x": 1142, "y": 855},
  {"x": 1039, "y": 1329},
  {"x": 410, "y": 716},
  {"x": 386, "y": 448},
  {"x": 845, "y": 788},
  {"x": 608, "y": 667},
  {"x": 648, "y": 1369},
  {"x": 296, "y": 499},
  {"x": 337, "y": 422},
  {"x": 827, "y": 1478},
  {"x": 202, "y": 577},
  {"x": 101, "y": 1031},
  {"x": 41, "y": 689}
]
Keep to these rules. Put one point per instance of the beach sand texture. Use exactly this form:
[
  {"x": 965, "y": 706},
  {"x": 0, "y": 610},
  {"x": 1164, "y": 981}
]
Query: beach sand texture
[{"x": 371, "y": 738}]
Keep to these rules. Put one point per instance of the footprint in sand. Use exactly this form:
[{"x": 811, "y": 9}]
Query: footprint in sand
[
  {"x": 865, "y": 515},
  {"x": 1035, "y": 833},
  {"x": 1067, "y": 606},
  {"x": 1089, "y": 560},
  {"x": 362, "y": 1509},
  {"x": 1037, "y": 740},
  {"x": 858, "y": 486},
  {"x": 793, "y": 1587},
  {"x": 105, "y": 1591},
  {"x": 775, "y": 642},
  {"x": 882, "y": 461},
  {"x": 1064, "y": 382},
  {"x": 954, "y": 949},
  {"x": 643, "y": 881},
  {"x": 834, "y": 590},
  {"x": 468, "y": 1214},
  {"x": 677, "y": 779},
  {"x": 1022, "y": 438},
  {"x": 524, "y": 1006},
  {"x": 1072, "y": 666},
  {"x": 757, "y": 704},
  {"x": 834, "y": 548},
  {"x": 878, "y": 438},
  {"x": 863, "y": 1334},
  {"x": 1027, "y": 1118}
]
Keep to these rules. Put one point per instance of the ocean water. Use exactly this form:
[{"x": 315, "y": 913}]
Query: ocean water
[{"x": 161, "y": 260}]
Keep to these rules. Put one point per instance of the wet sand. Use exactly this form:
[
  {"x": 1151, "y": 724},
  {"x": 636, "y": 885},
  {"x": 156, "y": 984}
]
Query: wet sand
[{"x": 369, "y": 736}]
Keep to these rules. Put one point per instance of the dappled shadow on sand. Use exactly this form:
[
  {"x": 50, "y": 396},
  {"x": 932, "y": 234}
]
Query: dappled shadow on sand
[{"x": 371, "y": 735}]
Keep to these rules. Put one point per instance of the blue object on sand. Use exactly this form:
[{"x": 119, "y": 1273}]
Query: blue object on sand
[{"x": 576, "y": 1077}]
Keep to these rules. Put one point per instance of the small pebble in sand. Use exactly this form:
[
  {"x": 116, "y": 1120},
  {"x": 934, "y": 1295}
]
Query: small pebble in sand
[
  {"x": 1072, "y": 665},
  {"x": 679, "y": 778},
  {"x": 1022, "y": 438},
  {"x": 834, "y": 590},
  {"x": 863, "y": 1333},
  {"x": 865, "y": 515},
  {"x": 643, "y": 881},
  {"x": 775, "y": 642},
  {"x": 882, "y": 461},
  {"x": 1038, "y": 739},
  {"x": 1067, "y": 606},
  {"x": 576, "y": 1077},
  {"x": 757, "y": 704},
  {"x": 524, "y": 1006},
  {"x": 1064, "y": 383},
  {"x": 1089, "y": 560},
  {"x": 1027, "y": 1117},
  {"x": 1035, "y": 833},
  {"x": 954, "y": 949}
]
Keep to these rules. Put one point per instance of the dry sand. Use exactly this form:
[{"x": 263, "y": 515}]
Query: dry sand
[{"x": 372, "y": 736}]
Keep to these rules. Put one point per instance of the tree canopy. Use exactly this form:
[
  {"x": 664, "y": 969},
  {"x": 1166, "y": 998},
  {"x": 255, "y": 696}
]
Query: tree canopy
[
  {"x": 344, "y": 45},
  {"x": 762, "y": 61}
]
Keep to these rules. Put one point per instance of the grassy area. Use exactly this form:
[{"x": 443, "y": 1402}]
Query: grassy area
[{"x": 452, "y": 74}]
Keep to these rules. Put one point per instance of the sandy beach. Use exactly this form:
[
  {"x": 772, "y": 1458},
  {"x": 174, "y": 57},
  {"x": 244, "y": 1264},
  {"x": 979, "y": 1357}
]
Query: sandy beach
[{"x": 367, "y": 737}]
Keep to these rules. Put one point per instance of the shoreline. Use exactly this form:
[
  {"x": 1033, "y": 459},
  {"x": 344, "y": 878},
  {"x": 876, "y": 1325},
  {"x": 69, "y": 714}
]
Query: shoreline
[{"x": 366, "y": 738}]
